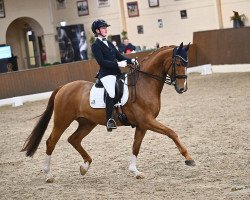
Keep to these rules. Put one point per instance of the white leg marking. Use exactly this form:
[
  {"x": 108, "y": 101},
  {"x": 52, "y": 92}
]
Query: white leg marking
[
  {"x": 46, "y": 169},
  {"x": 132, "y": 168},
  {"x": 84, "y": 168}
]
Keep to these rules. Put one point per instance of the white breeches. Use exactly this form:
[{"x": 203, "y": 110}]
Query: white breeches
[{"x": 109, "y": 84}]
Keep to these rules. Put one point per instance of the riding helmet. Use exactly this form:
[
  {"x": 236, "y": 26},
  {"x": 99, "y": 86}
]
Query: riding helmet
[{"x": 98, "y": 24}]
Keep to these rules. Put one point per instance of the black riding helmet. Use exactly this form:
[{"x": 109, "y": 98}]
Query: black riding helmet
[{"x": 98, "y": 24}]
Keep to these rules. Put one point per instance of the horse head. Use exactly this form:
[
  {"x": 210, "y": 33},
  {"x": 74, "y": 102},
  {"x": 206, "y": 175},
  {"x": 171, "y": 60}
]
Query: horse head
[{"x": 177, "y": 72}]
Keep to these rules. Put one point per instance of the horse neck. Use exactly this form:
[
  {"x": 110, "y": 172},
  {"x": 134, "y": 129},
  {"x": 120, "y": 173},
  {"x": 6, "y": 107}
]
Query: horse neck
[{"x": 155, "y": 64}]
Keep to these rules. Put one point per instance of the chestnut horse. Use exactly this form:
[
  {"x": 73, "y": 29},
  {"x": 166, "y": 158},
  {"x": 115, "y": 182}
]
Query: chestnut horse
[{"x": 71, "y": 102}]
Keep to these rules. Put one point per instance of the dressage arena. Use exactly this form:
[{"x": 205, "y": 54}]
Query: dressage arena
[{"x": 212, "y": 119}]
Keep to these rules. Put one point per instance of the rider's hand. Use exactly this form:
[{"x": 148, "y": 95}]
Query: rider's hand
[
  {"x": 134, "y": 61},
  {"x": 122, "y": 63}
]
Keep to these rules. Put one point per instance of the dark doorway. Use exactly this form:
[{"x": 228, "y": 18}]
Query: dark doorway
[{"x": 116, "y": 38}]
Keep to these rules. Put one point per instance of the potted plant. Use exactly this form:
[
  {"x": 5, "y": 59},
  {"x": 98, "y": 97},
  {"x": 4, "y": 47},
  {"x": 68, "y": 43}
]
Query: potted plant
[
  {"x": 124, "y": 34},
  {"x": 238, "y": 20}
]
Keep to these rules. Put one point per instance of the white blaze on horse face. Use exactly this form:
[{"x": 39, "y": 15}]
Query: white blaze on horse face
[{"x": 185, "y": 83}]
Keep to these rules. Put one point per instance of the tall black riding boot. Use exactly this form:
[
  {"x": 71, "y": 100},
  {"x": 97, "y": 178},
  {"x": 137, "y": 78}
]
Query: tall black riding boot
[{"x": 109, "y": 112}]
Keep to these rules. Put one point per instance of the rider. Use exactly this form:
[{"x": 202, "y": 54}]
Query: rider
[{"x": 109, "y": 60}]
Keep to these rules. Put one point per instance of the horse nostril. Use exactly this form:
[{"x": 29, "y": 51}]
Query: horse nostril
[{"x": 181, "y": 89}]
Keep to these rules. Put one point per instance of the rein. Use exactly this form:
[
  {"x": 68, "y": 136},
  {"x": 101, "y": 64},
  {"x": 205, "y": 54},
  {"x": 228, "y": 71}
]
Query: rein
[
  {"x": 134, "y": 73},
  {"x": 170, "y": 80}
]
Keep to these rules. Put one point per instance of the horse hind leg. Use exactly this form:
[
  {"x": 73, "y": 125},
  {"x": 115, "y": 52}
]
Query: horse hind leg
[
  {"x": 84, "y": 128},
  {"x": 50, "y": 146}
]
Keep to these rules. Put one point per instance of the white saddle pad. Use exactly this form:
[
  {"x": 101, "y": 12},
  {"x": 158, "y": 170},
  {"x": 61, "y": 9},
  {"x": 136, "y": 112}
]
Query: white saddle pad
[{"x": 96, "y": 98}]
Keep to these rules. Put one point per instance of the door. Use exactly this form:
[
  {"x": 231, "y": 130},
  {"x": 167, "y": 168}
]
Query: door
[{"x": 31, "y": 49}]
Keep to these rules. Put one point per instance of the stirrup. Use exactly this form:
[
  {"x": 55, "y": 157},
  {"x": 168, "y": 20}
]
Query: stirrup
[{"x": 111, "y": 125}]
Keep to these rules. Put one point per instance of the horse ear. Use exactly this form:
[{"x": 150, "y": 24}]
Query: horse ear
[
  {"x": 180, "y": 47},
  {"x": 187, "y": 47}
]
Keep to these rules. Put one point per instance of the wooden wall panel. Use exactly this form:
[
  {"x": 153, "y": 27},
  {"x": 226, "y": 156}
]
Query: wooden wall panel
[
  {"x": 44, "y": 79},
  {"x": 224, "y": 46}
]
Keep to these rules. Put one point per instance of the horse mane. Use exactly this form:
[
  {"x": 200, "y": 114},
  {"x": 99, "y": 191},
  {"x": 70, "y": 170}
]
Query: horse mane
[{"x": 157, "y": 51}]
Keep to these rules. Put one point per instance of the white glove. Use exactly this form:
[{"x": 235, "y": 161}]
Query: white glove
[
  {"x": 122, "y": 63},
  {"x": 134, "y": 61}
]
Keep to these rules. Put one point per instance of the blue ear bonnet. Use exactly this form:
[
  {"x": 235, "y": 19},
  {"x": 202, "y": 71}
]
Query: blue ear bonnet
[{"x": 181, "y": 53}]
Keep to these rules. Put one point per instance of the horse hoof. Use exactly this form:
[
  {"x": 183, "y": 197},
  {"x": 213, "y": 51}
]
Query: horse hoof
[
  {"x": 50, "y": 180},
  {"x": 140, "y": 176},
  {"x": 83, "y": 171},
  {"x": 190, "y": 162}
]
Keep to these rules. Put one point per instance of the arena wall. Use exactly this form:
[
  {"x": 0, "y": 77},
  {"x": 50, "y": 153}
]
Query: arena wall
[
  {"x": 224, "y": 46},
  {"x": 46, "y": 79}
]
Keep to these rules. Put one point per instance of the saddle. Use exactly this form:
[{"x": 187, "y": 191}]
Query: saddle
[
  {"x": 119, "y": 87},
  {"x": 119, "y": 97}
]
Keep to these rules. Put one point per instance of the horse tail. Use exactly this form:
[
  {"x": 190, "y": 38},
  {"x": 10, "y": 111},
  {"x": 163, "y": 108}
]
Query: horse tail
[{"x": 32, "y": 142}]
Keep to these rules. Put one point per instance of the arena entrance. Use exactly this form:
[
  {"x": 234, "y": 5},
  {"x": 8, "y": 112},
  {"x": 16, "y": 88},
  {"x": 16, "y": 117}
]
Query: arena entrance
[{"x": 25, "y": 36}]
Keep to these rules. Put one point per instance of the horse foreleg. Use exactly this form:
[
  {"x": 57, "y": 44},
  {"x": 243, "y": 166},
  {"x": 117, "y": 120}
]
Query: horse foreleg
[
  {"x": 160, "y": 128},
  {"x": 84, "y": 128},
  {"x": 139, "y": 135}
]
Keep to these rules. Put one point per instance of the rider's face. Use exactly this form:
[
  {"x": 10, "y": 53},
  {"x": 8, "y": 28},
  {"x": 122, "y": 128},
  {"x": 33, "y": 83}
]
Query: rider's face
[{"x": 103, "y": 31}]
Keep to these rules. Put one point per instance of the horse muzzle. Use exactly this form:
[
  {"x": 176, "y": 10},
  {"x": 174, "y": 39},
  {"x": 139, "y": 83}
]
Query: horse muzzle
[{"x": 181, "y": 90}]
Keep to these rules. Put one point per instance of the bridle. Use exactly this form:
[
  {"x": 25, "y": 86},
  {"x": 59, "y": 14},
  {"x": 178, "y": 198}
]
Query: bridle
[
  {"x": 168, "y": 79},
  {"x": 171, "y": 80}
]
